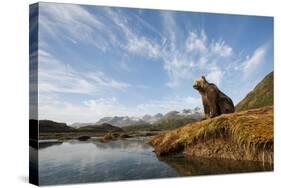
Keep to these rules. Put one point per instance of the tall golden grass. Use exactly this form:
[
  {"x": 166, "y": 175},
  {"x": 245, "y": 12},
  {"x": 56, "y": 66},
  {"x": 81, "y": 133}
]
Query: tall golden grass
[{"x": 251, "y": 131}]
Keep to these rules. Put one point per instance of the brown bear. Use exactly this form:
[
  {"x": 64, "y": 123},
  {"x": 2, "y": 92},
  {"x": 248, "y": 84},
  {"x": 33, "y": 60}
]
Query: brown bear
[{"x": 214, "y": 101}]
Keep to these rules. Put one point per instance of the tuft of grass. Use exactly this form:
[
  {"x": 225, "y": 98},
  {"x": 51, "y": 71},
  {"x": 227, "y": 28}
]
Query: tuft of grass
[{"x": 251, "y": 130}]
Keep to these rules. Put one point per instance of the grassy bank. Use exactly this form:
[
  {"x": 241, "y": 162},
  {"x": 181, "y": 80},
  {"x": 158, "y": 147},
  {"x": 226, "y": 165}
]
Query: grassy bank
[
  {"x": 260, "y": 96},
  {"x": 246, "y": 135}
]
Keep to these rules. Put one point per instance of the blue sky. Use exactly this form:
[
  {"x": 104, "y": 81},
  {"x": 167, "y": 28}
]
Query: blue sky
[{"x": 101, "y": 61}]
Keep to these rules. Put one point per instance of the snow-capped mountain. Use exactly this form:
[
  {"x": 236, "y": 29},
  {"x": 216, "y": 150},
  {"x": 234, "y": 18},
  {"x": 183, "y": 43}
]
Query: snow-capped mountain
[{"x": 121, "y": 121}]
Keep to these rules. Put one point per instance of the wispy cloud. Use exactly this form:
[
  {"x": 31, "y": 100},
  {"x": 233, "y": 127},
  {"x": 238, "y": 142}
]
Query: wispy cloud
[
  {"x": 196, "y": 42},
  {"x": 199, "y": 56},
  {"x": 143, "y": 46},
  {"x": 187, "y": 54},
  {"x": 134, "y": 42},
  {"x": 74, "y": 22},
  {"x": 215, "y": 75},
  {"x": 55, "y": 76},
  {"x": 221, "y": 49},
  {"x": 77, "y": 24},
  {"x": 252, "y": 62}
]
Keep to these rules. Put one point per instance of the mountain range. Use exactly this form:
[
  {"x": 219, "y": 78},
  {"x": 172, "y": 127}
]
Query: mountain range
[{"x": 124, "y": 121}]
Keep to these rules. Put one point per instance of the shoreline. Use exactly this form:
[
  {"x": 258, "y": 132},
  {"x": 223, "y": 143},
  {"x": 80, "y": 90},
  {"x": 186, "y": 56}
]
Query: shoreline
[{"x": 61, "y": 136}]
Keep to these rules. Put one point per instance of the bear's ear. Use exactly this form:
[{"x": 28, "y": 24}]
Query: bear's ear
[{"x": 203, "y": 78}]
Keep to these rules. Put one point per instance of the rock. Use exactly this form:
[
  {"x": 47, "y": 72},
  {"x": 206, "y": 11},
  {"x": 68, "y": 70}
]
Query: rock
[
  {"x": 83, "y": 138},
  {"x": 125, "y": 136},
  {"x": 111, "y": 136}
]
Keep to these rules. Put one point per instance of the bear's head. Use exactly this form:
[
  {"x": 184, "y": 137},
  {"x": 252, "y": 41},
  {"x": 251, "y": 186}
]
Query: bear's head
[{"x": 200, "y": 83}]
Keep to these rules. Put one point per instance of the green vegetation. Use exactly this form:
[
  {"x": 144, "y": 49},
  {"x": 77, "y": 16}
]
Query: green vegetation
[
  {"x": 143, "y": 127},
  {"x": 46, "y": 126},
  {"x": 262, "y": 95},
  {"x": 248, "y": 133},
  {"x": 54, "y": 130},
  {"x": 164, "y": 124},
  {"x": 105, "y": 127},
  {"x": 173, "y": 122}
]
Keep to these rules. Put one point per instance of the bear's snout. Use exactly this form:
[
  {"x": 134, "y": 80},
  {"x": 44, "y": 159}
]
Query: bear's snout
[{"x": 195, "y": 86}]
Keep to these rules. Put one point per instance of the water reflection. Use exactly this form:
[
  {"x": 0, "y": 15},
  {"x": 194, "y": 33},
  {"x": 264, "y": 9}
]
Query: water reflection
[
  {"x": 47, "y": 144},
  {"x": 191, "y": 166},
  {"x": 93, "y": 161}
]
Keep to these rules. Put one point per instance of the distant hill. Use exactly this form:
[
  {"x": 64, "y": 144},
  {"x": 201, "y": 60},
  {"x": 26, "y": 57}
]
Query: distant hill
[
  {"x": 78, "y": 125},
  {"x": 260, "y": 96},
  {"x": 169, "y": 121},
  {"x": 152, "y": 118},
  {"x": 105, "y": 127},
  {"x": 195, "y": 113},
  {"x": 121, "y": 121},
  {"x": 52, "y": 126}
]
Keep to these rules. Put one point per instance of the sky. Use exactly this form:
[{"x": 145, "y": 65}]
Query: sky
[{"x": 95, "y": 61}]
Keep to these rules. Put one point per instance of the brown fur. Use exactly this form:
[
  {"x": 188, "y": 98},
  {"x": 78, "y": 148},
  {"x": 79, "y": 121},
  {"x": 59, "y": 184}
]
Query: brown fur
[{"x": 214, "y": 101}]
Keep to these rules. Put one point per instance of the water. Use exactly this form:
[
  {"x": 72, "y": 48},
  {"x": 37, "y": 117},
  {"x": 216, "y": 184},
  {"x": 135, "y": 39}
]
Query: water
[{"x": 93, "y": 161}]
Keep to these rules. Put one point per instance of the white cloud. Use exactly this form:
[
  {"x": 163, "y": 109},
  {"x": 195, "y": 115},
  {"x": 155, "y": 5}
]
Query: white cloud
[
  {"x": 134, "y": 42},
  {"x": 221, "y": 49},
  {"x": 55, "y": 76},
  {"x": 198, "y": 56},
  {"x": 215, "y": 75},
  {"x": 107, "y": 107},
  {"x": 185, "y": 55},
  {"x": 251, "y": 63},
  {"x": 178, "y": 68},
  {"x": 196, "y": 42},
  {"x": 76, "y": 24},
  {"x": 142, "y": 46},
  {"x": 170, "y": 30},
  {"x": 53, "y": 107}
]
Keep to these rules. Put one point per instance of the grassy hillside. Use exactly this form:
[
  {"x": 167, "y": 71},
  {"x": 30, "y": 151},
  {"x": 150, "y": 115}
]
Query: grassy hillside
[
  {"x": 262, "y": 95},
  {"x": 53, "y": 130},
  {"x": 144, "y": 127},
  {"x": 246, "y": 135},
  {"x": 46, "y": 126},
  {"x": 105, "y": 127},
  {"x": 173, "y": 122}
]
